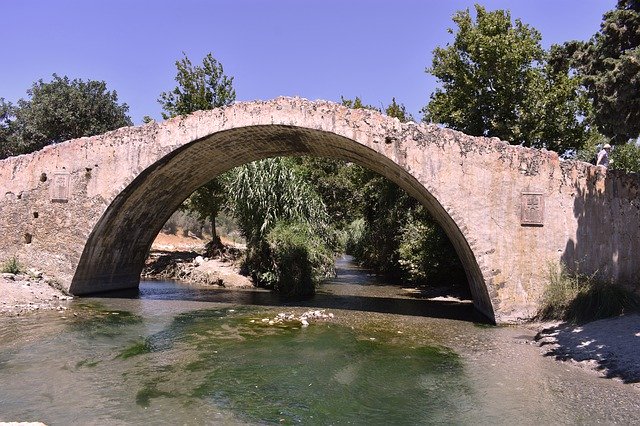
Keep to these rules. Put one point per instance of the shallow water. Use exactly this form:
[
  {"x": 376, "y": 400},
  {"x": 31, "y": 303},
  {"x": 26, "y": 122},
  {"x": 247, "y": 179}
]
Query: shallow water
[{"x": 172, "y": 357}]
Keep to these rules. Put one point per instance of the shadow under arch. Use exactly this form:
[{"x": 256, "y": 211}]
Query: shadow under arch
[{"x": 115, "y": 252}]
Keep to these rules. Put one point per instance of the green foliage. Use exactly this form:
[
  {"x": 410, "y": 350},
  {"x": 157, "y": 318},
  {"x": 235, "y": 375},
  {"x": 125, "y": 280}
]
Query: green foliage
[
  {"x": 425, "y": 253},
  {"x": 384, "y": 208},
  {"x": 495, "y": 82},
  {"x": 206, "y": 202},
  {"x": 608, "y": 66},
  {"x": 333, "y": 180},
  {"x": 388, "y": 231},
  {"x": 398, "y": 111},
  {"x": 8, "y": 147},
  {"x": 201, "y": 87},
  {"x": 623, "y": 157},
  {"x": 578, "y": 298},
  {"x": 300, "y": 259},
  {"x": 626, "y": 157},
  {"x": 397, "y": 237},
  {"x": 264, "y": 194},
  {"x": 267, "y": 191},
  {"x": 12, "y": 266},
  {"x": 57, "y": 111},
  {"x": 357, "y": 104},
  {"x": 355, "y": 236}
]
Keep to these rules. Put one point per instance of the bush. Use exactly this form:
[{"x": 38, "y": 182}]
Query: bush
[
  {"x": 11, "y": 266},
  {"x": 426, "y": 255},
  {"x": 579, "y": 298},
  {"x": 355, "y": 237},
  {"x": 298, "y": 260}
]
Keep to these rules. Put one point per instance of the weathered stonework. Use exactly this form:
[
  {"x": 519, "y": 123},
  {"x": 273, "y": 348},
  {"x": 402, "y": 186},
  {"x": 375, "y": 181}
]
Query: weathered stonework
[{"x": 112, "y": 193}]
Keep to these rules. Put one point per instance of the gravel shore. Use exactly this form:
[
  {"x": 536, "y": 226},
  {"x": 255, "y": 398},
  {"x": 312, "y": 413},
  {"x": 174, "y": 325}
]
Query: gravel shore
[
  {"x": 608, "y": 347},
  {"x": 29, "y": 292}
]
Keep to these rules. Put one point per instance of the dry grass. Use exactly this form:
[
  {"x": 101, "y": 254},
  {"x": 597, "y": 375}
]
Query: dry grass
[{"x": 579, "y": 298}]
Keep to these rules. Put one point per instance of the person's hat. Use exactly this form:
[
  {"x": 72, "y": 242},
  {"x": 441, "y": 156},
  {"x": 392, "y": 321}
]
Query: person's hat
[{"x": 606, "y": 146}]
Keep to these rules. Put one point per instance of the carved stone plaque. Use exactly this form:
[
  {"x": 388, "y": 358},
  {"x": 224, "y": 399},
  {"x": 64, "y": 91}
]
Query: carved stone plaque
[
  {"x": 60, "y": 188},
  {"x": 532, "y": 209}
]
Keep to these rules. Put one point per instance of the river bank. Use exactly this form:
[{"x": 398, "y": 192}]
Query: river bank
[
  {"x": 24, "y": 293},
  {"x": 609, "y": 347}
]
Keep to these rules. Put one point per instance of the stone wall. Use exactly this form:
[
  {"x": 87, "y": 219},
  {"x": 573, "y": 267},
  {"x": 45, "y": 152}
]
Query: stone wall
[{"x": 87, "y": 210}]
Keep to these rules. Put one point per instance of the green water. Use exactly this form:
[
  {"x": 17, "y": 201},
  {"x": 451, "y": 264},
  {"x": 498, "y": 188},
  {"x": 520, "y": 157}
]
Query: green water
[
  {"x": 221, "y": 364},
  {"x": 162, "y": 360}
]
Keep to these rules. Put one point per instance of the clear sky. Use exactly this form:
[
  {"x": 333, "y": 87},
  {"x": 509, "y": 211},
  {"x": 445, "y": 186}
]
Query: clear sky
[{"x": 317, "y": 49}]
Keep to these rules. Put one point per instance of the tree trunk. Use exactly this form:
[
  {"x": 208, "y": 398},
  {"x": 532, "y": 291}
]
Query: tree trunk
[{"x": 215, "y": 246}]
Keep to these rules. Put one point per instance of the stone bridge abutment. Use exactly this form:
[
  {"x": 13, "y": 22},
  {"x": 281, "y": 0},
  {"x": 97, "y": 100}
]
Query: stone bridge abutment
[{"x": 87, "y": 210}]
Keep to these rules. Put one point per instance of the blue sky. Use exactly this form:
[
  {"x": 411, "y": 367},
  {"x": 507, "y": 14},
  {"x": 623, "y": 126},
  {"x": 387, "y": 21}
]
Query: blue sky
[{"x": 317, "y": 49}]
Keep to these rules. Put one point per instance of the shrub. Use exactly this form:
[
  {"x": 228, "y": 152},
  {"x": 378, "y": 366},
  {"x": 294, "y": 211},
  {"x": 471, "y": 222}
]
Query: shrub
[
  {"x": 12, "y": 266},
  {"x": 580, "y": 298},
  {"x": 299, "y": 260},
  {"x": 426, "y": 255}
]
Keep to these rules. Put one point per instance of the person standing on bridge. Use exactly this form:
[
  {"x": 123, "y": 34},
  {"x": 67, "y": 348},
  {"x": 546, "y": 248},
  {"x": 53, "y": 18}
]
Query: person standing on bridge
[{"x": 603, "y": 156}]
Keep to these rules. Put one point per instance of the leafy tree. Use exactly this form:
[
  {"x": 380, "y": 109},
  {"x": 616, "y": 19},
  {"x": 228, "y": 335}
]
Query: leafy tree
[
  {"x": 57, "y": 111},
  {"x": 609, "y": 68},
  {"x": 268, "y": 191},
  {"x": 496, "y": 82},
  {"x": 300, "y": 259},
  {"x": 270, "y": 194},
  {"x": 398, "y": 111},
  {"x": 201, "y": 87},
  {"x": 626, "y": 157},
  {"x": 333, "y": 180},
  {"x": 7, "y": 145},
  {"x": 356, "y": 104},
  {"x": 390, "y": 231}
]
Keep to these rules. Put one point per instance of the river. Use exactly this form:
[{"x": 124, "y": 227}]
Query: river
[{"x": 176, "y": 354}]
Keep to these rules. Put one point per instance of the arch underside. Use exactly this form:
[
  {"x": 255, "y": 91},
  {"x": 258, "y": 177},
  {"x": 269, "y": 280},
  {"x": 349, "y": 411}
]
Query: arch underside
[{"x": 115, "y": 252}]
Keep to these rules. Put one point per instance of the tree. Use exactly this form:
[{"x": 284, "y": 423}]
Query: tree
[
  {"x": 496, "y": 82},
  {"x": 7, "y": 145},
  {"x": 609, "y": 68},
  {"x": 268, "y": 191},
  {"x": 626, "y": 157},
  {"x": 285, "y": 223},
  {"x": 201, "y": 87},
  {"x": 390, "y": 232},
  {"x": 398, "y": 111},
  {"x": 57, "y": 111}
]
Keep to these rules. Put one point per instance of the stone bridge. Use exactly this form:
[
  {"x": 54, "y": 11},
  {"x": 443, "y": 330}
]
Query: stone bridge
[{"x": 87, "y": 210}]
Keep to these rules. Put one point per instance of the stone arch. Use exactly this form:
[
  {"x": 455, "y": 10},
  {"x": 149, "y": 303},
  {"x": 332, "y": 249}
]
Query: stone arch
[{"x": 115, "y": 250}]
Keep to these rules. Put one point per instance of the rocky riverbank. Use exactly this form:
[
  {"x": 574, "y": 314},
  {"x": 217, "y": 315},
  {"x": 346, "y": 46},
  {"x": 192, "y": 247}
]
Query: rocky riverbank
[
  {"x": 195, "y": 269},
  {"x": 176, "y": 257},
  {"x": 608, "y": 347},
  {"x": 29, "y": 292}
]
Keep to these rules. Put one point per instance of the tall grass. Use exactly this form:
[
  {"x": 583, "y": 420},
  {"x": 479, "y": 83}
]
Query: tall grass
[
  {"x": 11, "y": 266},
  {"x": 580, "y": 298}
]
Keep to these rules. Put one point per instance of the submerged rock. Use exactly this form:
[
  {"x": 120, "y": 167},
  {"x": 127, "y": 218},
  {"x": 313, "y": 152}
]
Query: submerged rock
[{"x": 304, "y": 319}]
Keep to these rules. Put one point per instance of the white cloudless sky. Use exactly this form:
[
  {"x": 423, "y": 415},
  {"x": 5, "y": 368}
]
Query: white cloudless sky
[{"x": 317, "y": 49}]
